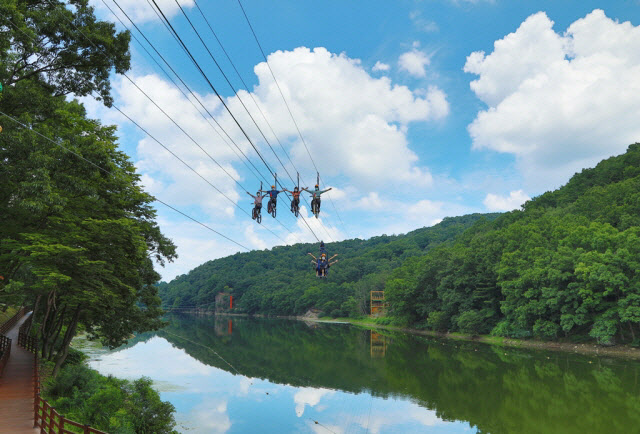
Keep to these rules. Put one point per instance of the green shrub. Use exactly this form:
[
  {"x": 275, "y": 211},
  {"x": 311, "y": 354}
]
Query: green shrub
[
  {"x": 438, "y": 321},
  {"x": 471, "y": 322}
]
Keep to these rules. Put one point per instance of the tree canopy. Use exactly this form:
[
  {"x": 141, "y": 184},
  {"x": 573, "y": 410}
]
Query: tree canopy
[{"x": 77, "y": 232}]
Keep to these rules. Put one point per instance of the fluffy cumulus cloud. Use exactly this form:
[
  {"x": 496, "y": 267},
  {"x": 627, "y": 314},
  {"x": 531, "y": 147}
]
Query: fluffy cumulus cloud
[
  {"x": 559, "y": 102},
  {"x": 495, "y": 202},
  {"x": 415, "y": 62},
  {"x": 140, "y": 11},
  {"x": 353, "y": 124}
]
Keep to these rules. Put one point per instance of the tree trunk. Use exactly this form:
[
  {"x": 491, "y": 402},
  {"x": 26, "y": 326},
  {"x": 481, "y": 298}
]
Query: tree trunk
[
  {"x": 56, "y": 334},
  {"x": 41, "y": 334},
  {"x": 64, "y": 350},
  {"x": 633, "y": 335},
  {"x": 33, "y": 313}
]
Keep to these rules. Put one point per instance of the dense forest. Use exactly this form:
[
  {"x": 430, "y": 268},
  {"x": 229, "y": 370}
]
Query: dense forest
[
  {"x": 282, "y": 281},
  {"x": 564, "y": 266},
  {"x": 77, "y": 232}
]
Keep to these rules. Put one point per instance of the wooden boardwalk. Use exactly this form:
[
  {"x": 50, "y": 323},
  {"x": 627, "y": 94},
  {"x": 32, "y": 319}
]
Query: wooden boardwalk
[{"x": 16, "y": 389}]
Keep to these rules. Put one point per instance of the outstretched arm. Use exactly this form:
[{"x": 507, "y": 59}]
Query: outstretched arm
[
  {"x": 331, "y": 263},
  {"x": 324, "y": 191},
  {"x": 250, "y": 195},
  {"x": 333, "y": 256},
  {"x": 312, "y": 256}
]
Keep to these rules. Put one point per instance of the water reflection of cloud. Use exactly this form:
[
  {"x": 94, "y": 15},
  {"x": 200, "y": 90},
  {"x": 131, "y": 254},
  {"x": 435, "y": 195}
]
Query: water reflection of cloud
[
  {"x": 210, "y": 416},
  {"x": 411, "y": 414},
  {"x": 156, "y": 355},
  {"x": 308, "y": 396}
]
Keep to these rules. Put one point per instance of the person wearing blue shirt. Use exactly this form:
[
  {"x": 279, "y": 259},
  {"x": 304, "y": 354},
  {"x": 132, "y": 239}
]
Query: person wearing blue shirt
[{"x": 273, "y": 197}]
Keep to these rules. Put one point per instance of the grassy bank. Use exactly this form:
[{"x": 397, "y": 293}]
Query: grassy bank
[
  {"x": 4, "y": 316},
  {"x": 622, "y": 351}
]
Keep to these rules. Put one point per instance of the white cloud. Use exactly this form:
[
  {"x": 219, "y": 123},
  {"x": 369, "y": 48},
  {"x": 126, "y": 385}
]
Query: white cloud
[
  {"x": 495, "y": 202},
  {"x": 140, "y": 11},
  {"x": 353, "y": 123},
  {"x": 379, "y": 66},
  {"x": 309, "y": 396},
  {"x": 423, "y": 24},
  {"x": 559, "y": 102},
  {"x": 414, "y": 62}
]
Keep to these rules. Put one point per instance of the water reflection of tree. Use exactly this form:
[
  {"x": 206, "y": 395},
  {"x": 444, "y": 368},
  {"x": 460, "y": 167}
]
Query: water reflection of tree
[{"x": 496, "y": 390}]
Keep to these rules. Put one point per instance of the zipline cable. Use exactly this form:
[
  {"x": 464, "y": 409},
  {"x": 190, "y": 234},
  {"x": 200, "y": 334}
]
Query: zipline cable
[
  {"x": 285, "y": 101},
  {"x": 220, "y": 98},
  {"x": 172, "y": 153},
  {"x": 185, "y": 85},
  {"x": 114, "y": 174},
  {"x": 254, "y": 101},
  {"x": 166, "y": 148},
  {"x": 241, "y": 102},
  {"x": 178, "y": 87}
]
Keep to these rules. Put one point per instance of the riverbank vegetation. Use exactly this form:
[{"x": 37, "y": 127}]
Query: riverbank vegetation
[
  {"x": 564, "y": 267},
  {"x": 77, "y": 231},
  {"x": 108, "y": 403}
]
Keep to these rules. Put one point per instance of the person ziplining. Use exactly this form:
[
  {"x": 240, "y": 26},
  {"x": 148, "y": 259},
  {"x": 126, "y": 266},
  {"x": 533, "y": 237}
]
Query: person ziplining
[
  {"x": 322, "y": 263},
  {"x": 295, "y": 201},
  {"x": 257, "y": 205},
  {"x": 315, "y": 201},
  {"x": 273, "y": 200}
]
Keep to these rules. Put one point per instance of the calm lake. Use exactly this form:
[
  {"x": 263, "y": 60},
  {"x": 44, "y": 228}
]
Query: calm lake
[{"x": 243, "y": 375}]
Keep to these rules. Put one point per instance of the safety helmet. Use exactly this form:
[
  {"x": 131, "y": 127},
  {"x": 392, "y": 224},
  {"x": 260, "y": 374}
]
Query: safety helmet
[
  {"x": 317, "y": 186},
  {"x": 273, "y": 187},
  {"x": 324, "y": 255}
]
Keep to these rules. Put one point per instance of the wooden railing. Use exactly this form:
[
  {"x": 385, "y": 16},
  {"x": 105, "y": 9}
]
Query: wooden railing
[
  {"x": 8, "y": 325},
  {"x": 5, "y": 352},
  {"x": 44, "y": 415},
  {"x": 29, "y": 343}
]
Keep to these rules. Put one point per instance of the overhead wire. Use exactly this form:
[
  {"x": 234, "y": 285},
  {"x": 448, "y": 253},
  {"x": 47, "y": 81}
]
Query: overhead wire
[
  {"x": 285, "y": 101},
  {"x": 252, "y": 98},
  {"x": 171, "y": 152},
  {"x": 194, "y": 61},
  {"x": 179, "y": 88},
  {"x": 113, "y": 174},
  {"x": 246, "y": 109}
]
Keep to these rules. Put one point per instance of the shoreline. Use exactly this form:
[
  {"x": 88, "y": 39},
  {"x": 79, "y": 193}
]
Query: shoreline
[{"x": 589, "y": 349}]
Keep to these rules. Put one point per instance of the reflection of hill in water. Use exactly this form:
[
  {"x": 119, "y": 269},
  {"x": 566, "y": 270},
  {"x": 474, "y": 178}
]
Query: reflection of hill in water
[{"x": 497, "y": 390}]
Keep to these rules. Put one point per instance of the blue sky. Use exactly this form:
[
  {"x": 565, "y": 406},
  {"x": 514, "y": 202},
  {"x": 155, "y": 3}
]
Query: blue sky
[{"x": 412, "y": 110}]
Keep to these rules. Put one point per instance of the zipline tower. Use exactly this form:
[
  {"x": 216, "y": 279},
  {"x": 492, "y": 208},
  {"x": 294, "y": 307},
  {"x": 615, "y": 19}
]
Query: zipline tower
[{"x": 378, "y": 303}]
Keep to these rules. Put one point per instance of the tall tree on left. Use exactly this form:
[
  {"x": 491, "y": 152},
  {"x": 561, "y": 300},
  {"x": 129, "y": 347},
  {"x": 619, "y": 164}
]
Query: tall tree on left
[{"x": 77, "y": 232}]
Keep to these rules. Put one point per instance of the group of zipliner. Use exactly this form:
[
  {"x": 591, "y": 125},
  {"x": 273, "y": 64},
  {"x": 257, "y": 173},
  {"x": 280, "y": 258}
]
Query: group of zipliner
[
  {"x": 322, "y": 263},
  {"x": 295, "y": 200}
]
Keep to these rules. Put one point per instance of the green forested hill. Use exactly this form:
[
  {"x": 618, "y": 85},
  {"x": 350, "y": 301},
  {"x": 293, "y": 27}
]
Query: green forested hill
[
  {"x": 282, "y": 281},
  {"x": 565, "y": 266}
]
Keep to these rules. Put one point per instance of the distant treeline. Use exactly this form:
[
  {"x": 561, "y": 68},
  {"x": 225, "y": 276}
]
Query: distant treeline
[
  {"x": 282, "y": 281},
  {"x": 565, "y": 266}
]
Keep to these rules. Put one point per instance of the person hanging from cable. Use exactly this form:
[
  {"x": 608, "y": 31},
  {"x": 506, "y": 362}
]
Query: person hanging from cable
[
  {"x": 315, "y": 202},
  {"x": 273, "y": 199},
  {"x": 322, "y": 264},
  {"x": 257, "y": 205},
  {"x": 295, "y": 201}
]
